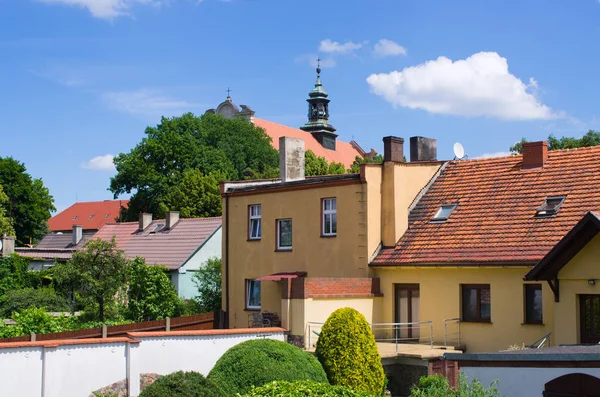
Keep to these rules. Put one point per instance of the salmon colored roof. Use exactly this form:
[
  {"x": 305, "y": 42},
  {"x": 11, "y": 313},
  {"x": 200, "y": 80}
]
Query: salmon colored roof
[
  {"x": 207, "y": 332},
  {"x": 92, "y": 215},
  {"x": 494, "y": 221},
  {"x": 344, "y": 152}
]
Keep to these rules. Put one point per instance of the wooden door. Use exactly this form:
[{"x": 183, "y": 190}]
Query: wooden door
[
  {"x": 589, "y": 318},
  {"x": 407, "y": 307},
  {"x": 573, "y": 385}
]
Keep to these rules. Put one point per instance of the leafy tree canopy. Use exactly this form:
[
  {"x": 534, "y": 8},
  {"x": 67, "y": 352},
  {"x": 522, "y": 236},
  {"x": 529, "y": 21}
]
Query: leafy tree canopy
[
  {"x": 591, "y": 138},
  {"x": 6, "y": 226},
  {"x": 314, "y": 165},
  {"x": 96, "y": 274},
  {"x": 208, "y": 281},
  {"x": 29, "y": 204},
  {"x": 355, "y": 167},
  {"x": 156, "y": 168}
]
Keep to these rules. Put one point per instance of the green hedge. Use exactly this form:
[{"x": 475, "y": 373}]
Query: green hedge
[
  {"x": 304, "y": 388},
  {"x": 260, "y": 361},
  {"x": 438, "y": 386},
  {"x": 183, "y": 384},
  {"x": 347, "y": 350}
]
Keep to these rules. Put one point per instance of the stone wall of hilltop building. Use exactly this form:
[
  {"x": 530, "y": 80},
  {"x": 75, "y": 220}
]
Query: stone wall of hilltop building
[{"x": 111, "y": 366}]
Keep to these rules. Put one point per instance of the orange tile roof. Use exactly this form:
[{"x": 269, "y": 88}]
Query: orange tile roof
[
  {"x": 344, "y": 152},
  {"x": 92, "y": 215},
  {"x": 494, "y": 221}
]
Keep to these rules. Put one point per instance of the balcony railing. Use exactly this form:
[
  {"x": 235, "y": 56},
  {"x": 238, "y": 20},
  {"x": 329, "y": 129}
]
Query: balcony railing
[
  {"x": 451, "y": 332},
  {"x": 397, "y": 333}
]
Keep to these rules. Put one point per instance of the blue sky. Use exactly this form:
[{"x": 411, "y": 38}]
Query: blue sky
[{"x": 81, "y": 79}]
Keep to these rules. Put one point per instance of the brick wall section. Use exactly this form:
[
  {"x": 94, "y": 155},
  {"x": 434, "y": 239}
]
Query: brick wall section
[
  {"x": 448, "y": 369},
  {"x": 393, "y": 149},
  {"x": 304, "y": 288},
  {"x": 535, "y": 154}
]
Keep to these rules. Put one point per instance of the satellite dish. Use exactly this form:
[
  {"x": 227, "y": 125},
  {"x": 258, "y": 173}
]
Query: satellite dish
[{"x": 459, "y": 151}]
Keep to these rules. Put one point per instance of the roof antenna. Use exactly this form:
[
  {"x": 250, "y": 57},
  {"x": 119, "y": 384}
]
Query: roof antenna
[{"x": 459, "y": 152}]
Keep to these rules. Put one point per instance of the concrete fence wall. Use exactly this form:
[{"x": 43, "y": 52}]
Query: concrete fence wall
[{"x": 78, "y": 367}]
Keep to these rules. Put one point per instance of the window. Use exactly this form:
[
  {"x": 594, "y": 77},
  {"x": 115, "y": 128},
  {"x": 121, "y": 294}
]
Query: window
[
  {"x": 252, "y": 294},
  {"x": 476, "y": 303},
  {"x": 443, "y": 213},
  {"x": 533, "y": 304},
  {"x": 157, "y": 228},
  {"x": 75, "y": 217},
  {"x": 106, "y": 216},
  {"x": 329, "y": 219},
  {"x": 284, "y": 234},
  {"x": 550, "y": 206},
  {"x": 92, "y": 216},
  {"x": 255, "y": 222}
]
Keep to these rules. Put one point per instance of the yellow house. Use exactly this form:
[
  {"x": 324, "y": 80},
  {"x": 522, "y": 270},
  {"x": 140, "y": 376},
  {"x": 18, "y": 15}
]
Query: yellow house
[{"x": 432, "y": 251}]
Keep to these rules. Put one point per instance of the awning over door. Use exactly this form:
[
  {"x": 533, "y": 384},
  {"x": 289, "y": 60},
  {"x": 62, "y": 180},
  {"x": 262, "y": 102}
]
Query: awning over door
[{"x": 280, "y": 276}]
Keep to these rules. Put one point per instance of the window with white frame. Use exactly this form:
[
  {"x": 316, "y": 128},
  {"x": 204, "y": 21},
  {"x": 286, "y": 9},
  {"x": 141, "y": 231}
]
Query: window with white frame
[
  {"x": 284, "y": 234},
  {"x": 329, "y": 218},
  {"x": 253, "y": 294},
  {"x": 255, "y": 222}
]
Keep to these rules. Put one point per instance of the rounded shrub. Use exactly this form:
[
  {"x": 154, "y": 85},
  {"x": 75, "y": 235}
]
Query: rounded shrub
[
  {"x": 304, "y": 388},
  {"x": 347, "y": 350},
  {"x": 183, "y": 384},
  {"x": 260, "y": 361}
]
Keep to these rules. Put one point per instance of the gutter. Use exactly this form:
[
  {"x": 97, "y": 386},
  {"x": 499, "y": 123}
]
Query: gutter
[{"x": 227, "y": 260}]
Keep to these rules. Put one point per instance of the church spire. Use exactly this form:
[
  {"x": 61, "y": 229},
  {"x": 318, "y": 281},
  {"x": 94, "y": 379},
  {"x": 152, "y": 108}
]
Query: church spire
[{"x": 318, "y": 114}]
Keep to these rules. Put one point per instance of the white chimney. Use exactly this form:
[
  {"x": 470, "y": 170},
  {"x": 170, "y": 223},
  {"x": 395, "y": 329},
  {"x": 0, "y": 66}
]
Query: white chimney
[
  {"x": 77, "y": 234},
  {"x": 172, "y": 218},
  {"x": 145, "y": 221},
  {"x": 7, "y": 246},
  {"x": 291, "y": 159}
]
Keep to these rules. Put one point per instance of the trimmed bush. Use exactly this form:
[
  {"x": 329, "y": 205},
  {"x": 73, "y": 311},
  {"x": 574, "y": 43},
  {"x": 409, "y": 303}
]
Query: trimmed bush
[
  {"x": 260, "y": 361},
  {"x": 437, "y": 386},
  {"x": 304, "y": 388},
  {"x": 347, "y": 350},
  {"x": 183, "y": 384}
]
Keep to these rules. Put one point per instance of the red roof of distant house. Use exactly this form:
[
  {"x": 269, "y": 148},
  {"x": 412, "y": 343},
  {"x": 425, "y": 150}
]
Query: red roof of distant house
[
  {"x": 92, "y": 215},
  {"x": 344, "y": 152},
  {"x": 494, "y": 221},
  {"x": 169, "y": 247}
]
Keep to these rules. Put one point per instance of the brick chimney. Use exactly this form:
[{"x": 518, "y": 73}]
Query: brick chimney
[
  {"x": 291, "y": 159},
  {"x": 393, "y": 149},
  {"x": 145, "y": 221},
  {"x": 535, "y": 154},
  {"x": 8, "y": 246},
  {"x": 77, "y": 234},
  {"x": 172, "y": 218},
  {"x": 423, "y": 149}
]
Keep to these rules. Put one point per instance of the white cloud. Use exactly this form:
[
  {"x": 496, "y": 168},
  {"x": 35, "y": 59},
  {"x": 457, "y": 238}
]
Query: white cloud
[
  {"x": 329, "y": 46},
  {"x": 480, "y": 85},
  {"x": 145, "y": 102},
  {"x": 106, "y": 9},
  {"x": 385, "y": 47},
  {"x": 496, "y": 154},
  {"x": 100, "y": 163}
]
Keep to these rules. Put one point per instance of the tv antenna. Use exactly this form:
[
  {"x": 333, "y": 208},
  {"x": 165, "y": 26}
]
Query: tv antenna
[{"x": 459, "y": 152}]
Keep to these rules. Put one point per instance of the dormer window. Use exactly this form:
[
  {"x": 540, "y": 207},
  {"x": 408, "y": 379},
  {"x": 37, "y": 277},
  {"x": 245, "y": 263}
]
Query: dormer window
[
  {"x": 443, "y": 213},
  {"x": 550, "y": 206}
]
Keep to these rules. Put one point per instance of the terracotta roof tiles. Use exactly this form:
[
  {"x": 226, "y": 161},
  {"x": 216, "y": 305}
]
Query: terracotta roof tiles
[
  {"x": 92, "y": 215},
  {"x": 497, "y": 200}
]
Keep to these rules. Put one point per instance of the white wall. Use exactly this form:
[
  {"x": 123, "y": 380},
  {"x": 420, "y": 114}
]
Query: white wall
[
  {"x": 68, "y": 369},
  {"x": 519, "y": 382},
  {"x": 186, "y": 288}
]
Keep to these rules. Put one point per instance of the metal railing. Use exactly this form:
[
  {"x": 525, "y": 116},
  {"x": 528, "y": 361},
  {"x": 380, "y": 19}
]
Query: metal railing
[
  {"x": 451, "y": 331},
  {"x": 397, "y": 333}
]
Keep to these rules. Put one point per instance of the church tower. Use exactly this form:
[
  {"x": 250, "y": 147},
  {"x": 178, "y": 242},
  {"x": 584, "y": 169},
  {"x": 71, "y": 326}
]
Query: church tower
[{"x": 318, "y": 115}]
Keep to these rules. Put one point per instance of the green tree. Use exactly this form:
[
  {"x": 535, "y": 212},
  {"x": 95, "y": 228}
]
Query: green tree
[
  {"x": 314, "y": 165},
  {"x": 591, "y": 138},
  {"x": 6, "y": 226},
  {"x": 195, "y": 196},
  {"x": 96, "y": 273},
  {"x": 347, "y": 350},
  {"x": 29, "y": 201},
  {"x": 208, "y": 144},
  {"x": 26, "y": 298},
  {"x": 150, "y": 293},
  {"x": 208, "y": 281},
  {"x": 355, "y": 167},
  {"x": 15, "y": 274}
]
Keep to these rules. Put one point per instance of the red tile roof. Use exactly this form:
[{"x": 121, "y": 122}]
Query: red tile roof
[
  {"x": 344, "y": 152},
  {"x": 171, "y": 248},
  {"x": 92, "y": 215},
  {"x": 497, "y": 200},
  {"x": 60, "y": 254}
]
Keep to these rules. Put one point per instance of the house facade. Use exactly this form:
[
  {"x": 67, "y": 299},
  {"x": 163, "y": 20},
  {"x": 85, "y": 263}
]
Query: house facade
[{"x": 450, "y": 244}]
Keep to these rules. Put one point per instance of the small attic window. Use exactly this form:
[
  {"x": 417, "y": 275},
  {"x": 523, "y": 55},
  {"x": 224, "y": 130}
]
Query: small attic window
[
  {"x": 75, "y": 217},
  {"x": 158, "y": 228},
  {"x": 106, "y": 216},
  {"x": 91, "y": 216},
  {"x": 550, "y": 206},
  {"x": 443, "y": 213}
]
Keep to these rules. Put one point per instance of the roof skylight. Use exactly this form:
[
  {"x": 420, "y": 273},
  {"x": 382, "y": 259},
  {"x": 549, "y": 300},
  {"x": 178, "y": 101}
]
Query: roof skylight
[
  {"x": 75, "y": 217},
  {"x": 443, "y": 213},
  {"x": 158, "y": 228},
  {"x": 550, "y": 206}
]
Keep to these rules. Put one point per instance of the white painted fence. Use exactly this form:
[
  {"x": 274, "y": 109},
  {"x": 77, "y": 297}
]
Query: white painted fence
[{"x": 75, "y": 368}]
